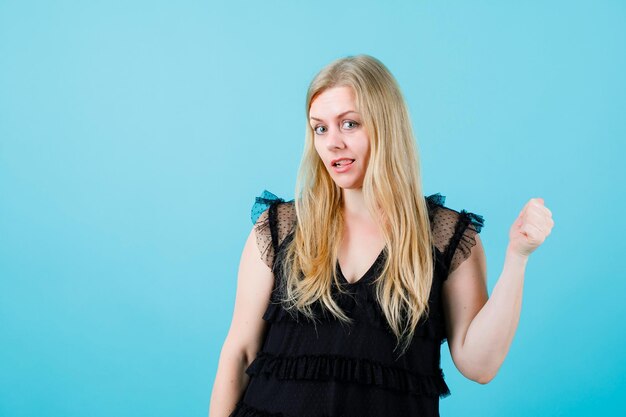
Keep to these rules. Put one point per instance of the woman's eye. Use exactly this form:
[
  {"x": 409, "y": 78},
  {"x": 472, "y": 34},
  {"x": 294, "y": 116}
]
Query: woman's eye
[
  {"x": 316, "y": 129},
  {"x": 350, "y": 122}
]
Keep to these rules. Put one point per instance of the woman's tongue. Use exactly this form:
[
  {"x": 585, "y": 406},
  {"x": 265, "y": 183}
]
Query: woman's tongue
[{"x": 344, "y": 162}]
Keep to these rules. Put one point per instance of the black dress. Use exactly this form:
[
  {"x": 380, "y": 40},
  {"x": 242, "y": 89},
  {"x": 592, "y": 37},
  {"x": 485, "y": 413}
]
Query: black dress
[{"x": 334, "y": 369}]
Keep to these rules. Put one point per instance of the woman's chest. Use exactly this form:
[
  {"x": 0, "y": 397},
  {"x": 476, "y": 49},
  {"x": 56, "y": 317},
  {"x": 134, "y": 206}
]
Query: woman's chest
[{"x": 360, "y": 247}]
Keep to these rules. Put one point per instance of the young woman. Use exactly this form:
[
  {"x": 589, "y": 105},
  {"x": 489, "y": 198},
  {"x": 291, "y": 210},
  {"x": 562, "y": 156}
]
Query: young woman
[{"x": 346, "y": 293}]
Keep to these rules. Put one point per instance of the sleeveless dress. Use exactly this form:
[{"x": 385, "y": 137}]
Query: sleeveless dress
[{"x": 332, "y": 369}]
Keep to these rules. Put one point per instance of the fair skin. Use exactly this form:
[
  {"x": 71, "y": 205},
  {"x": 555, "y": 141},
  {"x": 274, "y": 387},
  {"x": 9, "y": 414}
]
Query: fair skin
[
  {"x": 480, "y": 328},
  {"x": 254, "y": 286},
  {"x": 338, "y": 132}
]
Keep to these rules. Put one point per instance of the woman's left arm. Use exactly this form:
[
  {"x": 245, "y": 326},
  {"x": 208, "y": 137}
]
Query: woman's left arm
[{"x": 480, "y": 328}]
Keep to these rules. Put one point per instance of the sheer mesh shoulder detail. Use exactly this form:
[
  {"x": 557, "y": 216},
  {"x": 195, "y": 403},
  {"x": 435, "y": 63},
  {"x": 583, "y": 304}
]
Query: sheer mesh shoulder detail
[
  {"x": 273, "y": 219},
  {"x": 454, "y": 232}
]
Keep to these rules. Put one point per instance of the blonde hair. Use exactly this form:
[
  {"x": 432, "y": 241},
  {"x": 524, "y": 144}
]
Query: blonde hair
[{"x": 393, "y": 195}]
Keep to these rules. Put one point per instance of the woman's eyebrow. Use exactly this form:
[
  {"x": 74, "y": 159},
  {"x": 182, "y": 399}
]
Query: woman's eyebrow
[{"x": 338, "y": 116}]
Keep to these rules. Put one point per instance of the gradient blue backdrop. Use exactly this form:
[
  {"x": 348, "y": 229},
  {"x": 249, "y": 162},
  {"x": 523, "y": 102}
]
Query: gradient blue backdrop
[{"x": 134, "y": 137}]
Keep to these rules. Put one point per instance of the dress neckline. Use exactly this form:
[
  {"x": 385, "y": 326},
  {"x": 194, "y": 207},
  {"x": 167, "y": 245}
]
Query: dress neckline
[{"x": 365, "y": 276}]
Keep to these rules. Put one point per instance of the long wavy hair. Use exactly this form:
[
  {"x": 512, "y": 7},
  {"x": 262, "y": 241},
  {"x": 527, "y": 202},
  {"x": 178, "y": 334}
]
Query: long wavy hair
[{"x": 393, "y": 195}]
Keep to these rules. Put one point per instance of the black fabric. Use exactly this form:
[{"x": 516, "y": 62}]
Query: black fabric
[{"x": 333, "y": 369}]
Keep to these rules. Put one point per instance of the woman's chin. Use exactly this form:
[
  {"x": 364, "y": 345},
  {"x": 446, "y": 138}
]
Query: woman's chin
[{"x": 349, "y": 185}]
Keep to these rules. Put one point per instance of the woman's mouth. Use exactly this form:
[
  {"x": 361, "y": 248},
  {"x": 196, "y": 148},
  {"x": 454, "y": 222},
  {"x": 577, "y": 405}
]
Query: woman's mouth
[{"x": 342, "y": 165}]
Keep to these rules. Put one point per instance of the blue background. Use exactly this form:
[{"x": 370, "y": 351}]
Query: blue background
[{"x": 134, "y": 137}]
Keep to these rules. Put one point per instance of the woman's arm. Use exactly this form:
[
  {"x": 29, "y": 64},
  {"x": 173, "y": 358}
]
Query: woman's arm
[
  {"x": 480, "y": 329},
  {"x": 254, "y": 286}
]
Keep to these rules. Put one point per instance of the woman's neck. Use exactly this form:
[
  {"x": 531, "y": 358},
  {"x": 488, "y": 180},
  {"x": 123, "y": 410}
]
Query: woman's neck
[
  {"x": 354, "y": 208},
  {"x": 356, "y": 215}
]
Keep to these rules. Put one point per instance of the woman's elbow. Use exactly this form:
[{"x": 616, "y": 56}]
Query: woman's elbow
[
  {"x": 477, "y": 374},
  {"x": 484, "y": 378}
]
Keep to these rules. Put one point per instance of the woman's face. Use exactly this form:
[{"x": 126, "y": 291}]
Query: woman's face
[{"x": 338, "y": 133}]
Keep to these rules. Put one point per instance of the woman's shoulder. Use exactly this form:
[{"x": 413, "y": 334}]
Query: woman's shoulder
[
  {"x": 273, "y": 220},
  {"x": 267, "y": 199},
  {"x": 453, "y": 230},
  {"x": 442, "y": 213}
]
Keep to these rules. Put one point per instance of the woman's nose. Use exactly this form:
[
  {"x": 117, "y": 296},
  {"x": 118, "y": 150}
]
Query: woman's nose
[{"x": 335, "y": 139}]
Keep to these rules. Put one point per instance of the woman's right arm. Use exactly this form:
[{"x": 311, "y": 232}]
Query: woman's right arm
[{"x": 255, "y": 282}]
